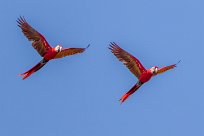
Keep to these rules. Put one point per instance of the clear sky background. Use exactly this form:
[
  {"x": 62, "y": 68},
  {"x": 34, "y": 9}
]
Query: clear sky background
[{"x": 78, "y": 95}]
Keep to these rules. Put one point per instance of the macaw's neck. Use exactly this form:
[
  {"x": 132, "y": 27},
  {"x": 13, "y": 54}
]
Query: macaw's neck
[
  {"x": 50, "y": 54},
  {"x": 146, "y": 76}
]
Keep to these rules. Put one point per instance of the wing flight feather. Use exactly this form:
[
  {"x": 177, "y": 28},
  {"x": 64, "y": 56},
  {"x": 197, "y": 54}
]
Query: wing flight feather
[
  {"x": 38, "y": 41},
  {"x": 69, "y": 51},
  {"x": 132, "y": 63}
]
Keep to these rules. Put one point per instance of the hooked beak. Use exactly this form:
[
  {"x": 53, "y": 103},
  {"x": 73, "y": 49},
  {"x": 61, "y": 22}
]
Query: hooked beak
[{"x": 155, "y": 71}]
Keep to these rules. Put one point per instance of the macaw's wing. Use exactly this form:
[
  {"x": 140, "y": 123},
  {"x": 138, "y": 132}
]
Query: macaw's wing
[
  {"x": 132, "y": 63},
  {"x": 165, "y": 68},
  {"x": 69, "y": 51},
  {"x": 38, "y": 41}
]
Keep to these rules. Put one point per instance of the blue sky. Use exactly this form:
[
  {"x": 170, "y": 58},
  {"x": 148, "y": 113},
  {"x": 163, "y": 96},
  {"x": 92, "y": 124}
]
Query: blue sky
[{"x": 78, "y": 95}]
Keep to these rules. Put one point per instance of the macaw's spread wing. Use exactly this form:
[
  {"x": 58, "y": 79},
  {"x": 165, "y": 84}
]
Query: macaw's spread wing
[
  {"x": 164, "y": 69},
  {"x": 38, "y": 41},
  {"x": 69, "y": 51},
  {"x": 132, "y": 63}
]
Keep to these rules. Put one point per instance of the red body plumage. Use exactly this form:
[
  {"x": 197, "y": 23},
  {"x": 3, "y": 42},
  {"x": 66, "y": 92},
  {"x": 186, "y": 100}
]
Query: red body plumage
[
  {"x": 43, "y": 48},
  {"x": 135, "y": 66},
  {"x": 145, "y": 76}
]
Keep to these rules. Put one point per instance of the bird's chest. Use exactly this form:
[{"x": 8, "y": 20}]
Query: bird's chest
[
  {"x": 50, "y": 55},
  {"x": 146, "y": 76}
]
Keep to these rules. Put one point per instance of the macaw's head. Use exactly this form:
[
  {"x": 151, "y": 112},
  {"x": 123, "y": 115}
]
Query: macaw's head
[
  {"x": 154, "y": 70},
  {"x": 58, "y": 48}
]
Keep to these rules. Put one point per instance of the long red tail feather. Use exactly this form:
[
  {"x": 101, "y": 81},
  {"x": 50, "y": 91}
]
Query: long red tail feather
[
  {"x": 33, "y": 69},
  {"x": 130, "y": 92}
]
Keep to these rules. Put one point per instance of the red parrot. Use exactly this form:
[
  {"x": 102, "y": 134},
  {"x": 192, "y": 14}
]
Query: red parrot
[
  {"x": 135, "y": 66},
  {"x": 40, "y": 44}
]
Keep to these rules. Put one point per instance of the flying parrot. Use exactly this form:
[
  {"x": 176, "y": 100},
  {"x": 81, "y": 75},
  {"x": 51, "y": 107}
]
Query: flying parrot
[
  {"x": 40, "y": 44},
  {"x": 135, "y": 66}
]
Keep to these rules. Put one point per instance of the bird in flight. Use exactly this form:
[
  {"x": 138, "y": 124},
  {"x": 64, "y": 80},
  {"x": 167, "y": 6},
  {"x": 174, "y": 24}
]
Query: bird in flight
[
  {"x": 40, "y": 44},
  {"x": 136, "y": 67}
]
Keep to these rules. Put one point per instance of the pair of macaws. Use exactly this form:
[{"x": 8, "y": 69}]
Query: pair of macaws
[{"x": 48, "y": 53}]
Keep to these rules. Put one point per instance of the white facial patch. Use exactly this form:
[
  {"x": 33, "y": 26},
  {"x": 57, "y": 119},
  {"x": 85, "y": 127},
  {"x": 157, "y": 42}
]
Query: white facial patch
[
  {"x": 153, "y": 70},
  {"x": 58, "y": 48}
]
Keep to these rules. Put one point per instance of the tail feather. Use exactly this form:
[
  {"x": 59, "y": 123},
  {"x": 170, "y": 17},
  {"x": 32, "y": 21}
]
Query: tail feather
[
  {"x": 33, "y": 69},
  {"x": 130, "y": 92}
]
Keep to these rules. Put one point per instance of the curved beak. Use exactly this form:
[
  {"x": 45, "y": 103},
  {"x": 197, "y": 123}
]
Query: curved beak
[{"x": 156, "y": 70}]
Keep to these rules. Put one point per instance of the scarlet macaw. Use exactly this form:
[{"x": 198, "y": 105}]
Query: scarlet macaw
[
  {"x": 135, "y": 66},
  {"x": 43, "y": 48}
]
